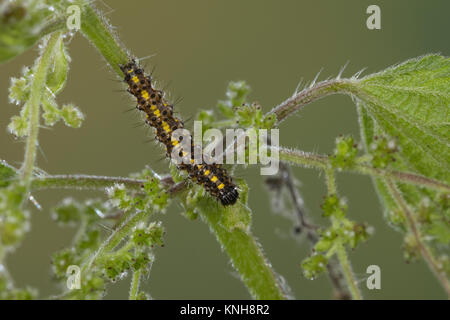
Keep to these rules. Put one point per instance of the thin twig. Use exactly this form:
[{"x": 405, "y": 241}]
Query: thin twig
[
  {"x": 413, "y": 227},
  {"x": 334, "y": 270}
]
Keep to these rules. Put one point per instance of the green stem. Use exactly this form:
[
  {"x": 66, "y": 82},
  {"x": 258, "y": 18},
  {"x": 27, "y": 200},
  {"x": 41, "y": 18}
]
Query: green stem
[
  {"x": 37, "y": 89},
  {"x": 108, "y": 245},
  {"x": 116, "y": 237},
  {"x": 135, "y": 282},
  {"x": 97, "y": 31},
  {"x": 339, "y": 246},
  {"x": 347, "y": 270},
  {"x": 244, "y": 252},
  {"x": 323, "y": 162},
  {"x": 414, "y": 228},
  {"x": 304, "y": 159},
  {"x": 331, "y": 181},
  {"x": 308, "y": 95},
  {"x": 83, "y": 182}
]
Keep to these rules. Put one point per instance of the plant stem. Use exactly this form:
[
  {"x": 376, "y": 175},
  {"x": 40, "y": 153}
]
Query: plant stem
[
  {"x": 330, "y": 181},
  {"x": 37, "y": 89},
  {"x": 334, "y": 270},
  {"x": 135, "y": 282},
  {"x": 308, "y": 160},
  {"x": 347, "y": 270},
  {"x": 305, "y": 159},
  {"x": 245, "y": 253},
  {"x": 308, "y": 95},
  {"x": 108, "y": 245},
  {"x": 413, "y": 227},
  {"x": 97, "y": 31},
  {"x": 83, "y": 182},
  {"x": 116, "y": 237},
  {"x": 340, "y": 248}
]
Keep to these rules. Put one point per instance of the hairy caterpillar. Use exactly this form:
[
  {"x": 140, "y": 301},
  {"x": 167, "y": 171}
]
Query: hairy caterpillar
[{"x": 159, "y": 114}]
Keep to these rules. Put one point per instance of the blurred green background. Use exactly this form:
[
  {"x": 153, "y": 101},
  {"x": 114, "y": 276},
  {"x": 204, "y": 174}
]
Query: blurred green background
[{"x": 199, "y": 46}]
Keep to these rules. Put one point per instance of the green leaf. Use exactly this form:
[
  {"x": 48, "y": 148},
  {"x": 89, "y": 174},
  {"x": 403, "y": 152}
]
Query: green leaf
[
  {"x": 411, "y": 102},
  {"x": 7, "y": 173},
  {"x": 57, "y": 76},
  {"x": 72, "y": 116},
  {"x": 21, "y": 24}
]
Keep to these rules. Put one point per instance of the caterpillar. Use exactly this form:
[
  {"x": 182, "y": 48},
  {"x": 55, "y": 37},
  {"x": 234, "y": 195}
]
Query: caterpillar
[{"x": 159, "y": 114}]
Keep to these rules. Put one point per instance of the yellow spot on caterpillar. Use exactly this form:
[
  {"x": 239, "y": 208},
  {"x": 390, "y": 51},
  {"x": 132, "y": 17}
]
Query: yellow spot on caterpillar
[
  {"x": 130, "y": 71},
  {"x": 206, "y": 172},
  {"x": 145, "y": 95},
  {"x": 166, "y": 127},
  {"x": 199, "y": 166},
  {"x": 184, "y": 154},
  {"x": 153, "y": 107},
  {"x": 214, "y": 179},
  {"x": 135, "y": 79},
  {"x": 220, "y": 186},
  {"x": 174, "y": 143},
  {"x": 192, "y": 160},
  {"x": 157, "y": 113}
]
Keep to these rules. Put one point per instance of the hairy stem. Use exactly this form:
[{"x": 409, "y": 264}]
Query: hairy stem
[
  {"x": 334, "y": 270},
  {"x": 414, "y": 228},
  {"x": 340, "y": 248},
  {"x": 347, "y": 270},
  {"x": 245, "y": 253},
  {"x": 37, "y": 89},
  {"x": 311, "y": 160},
  {"x": 330, "y": 181},
  {"x": 108, "y": 245},
  {"x": 135, "y": 282},
  {"x": 96, "y": 30},
  {"x": 308, "y": 95},
  {"x": 83, "y": 182},
  {"x": 116, "y": 237}
]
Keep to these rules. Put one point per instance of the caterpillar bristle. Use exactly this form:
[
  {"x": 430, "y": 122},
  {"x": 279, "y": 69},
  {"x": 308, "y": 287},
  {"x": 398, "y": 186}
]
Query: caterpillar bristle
[{"x": 214, "y": 178}]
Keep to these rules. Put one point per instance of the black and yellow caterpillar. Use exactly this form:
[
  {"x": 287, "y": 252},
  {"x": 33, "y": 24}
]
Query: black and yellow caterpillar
[{"x": 159, "y": 114}]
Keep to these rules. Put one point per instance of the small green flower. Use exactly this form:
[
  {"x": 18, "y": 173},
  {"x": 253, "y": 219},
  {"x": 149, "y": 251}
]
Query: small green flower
[
  {"x": 148, "y": 236},
  {"x": 383, "y": 152},
  {"x": 345, "y": 153},
  {"x": 72, "y": 116},
  {"x": 334, "y": 206},
  {"x": 68, "y": 212},
  {"x": 119, "y": 197},
  {"x": 61, "y": 260},
  {"x": 117, "y": 264},
  {"x": 314, "y": 265}
]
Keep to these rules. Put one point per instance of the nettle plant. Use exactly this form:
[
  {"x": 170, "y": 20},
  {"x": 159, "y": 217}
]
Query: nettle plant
[{"x": 404, "y": 120}]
